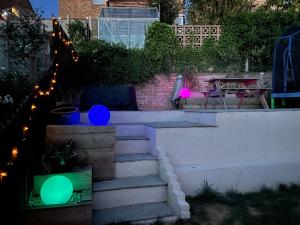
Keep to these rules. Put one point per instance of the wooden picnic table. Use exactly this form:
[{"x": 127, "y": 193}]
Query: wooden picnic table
[{"x": 241, "y": 87}]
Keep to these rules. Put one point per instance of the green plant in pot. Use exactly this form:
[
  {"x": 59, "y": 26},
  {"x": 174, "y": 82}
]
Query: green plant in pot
[{"x": 63, "y": 158}]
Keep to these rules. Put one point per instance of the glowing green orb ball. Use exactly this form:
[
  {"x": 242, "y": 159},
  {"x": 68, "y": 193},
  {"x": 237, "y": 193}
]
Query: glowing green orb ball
[{"x": 56, "y": 190}]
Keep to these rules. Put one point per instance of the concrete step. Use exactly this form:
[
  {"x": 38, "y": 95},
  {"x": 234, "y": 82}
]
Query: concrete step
[
  {"x": 128, "y": 191},
  {"x": 129, "y": 129},
  {"x": 134, "y": 165},
  {"x": 131, "y": 144},
  {"x": 134, "y": 213}
]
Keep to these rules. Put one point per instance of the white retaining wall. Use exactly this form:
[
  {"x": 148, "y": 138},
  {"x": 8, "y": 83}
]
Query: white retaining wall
[{"x": 246, "y": 150}]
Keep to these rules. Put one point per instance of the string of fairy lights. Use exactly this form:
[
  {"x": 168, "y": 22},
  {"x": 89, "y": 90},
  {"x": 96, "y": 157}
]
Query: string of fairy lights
[
  {"x": 60, "y": 44},
  {"x": 59, "y": 39}
]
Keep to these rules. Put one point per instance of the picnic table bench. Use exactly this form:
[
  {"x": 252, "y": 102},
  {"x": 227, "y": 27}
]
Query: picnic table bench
[{"x": 241, "y": 87}]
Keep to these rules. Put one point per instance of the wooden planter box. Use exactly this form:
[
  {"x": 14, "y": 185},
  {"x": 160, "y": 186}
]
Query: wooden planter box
[
  {"x": 97, "y": 141},
  {"x": 73, "y": 212}
]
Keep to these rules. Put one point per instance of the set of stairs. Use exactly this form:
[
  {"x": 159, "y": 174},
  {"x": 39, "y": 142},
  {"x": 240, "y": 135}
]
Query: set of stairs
[
  {"x": 137, "y": 194},
  {"x": 216, "y": 103}
]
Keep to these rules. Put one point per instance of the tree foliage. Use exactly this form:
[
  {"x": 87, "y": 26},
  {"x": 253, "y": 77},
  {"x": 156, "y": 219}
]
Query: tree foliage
[
  {"x": 256, "y": 33},
  {"x": 77, "y": 32},
  {"x": 213, "y": 11},
  {"x": 24, "y": 33},
  {"x": 282, "y": 4},
  {"x": 25, "y": 40},
  {"x": 168, "y": 9}
]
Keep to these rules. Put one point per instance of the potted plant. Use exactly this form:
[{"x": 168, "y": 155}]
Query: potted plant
[
  {"x": 63, "y": 158},
  {"x": 67, "y": 110}
]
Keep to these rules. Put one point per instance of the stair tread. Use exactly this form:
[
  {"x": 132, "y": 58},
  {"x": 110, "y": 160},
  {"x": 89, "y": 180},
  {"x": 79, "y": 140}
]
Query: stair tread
[
  {"x": 132, "y": 137},
  {"x": 131, "y": 213},
  {"x": 130, "y": 182},
  {"x": 134, "y": 157}
]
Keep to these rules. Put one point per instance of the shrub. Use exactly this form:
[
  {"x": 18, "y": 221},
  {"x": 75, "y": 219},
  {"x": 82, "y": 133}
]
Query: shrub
[
  {"x": 63, "y": 157},
  {"x": 161, "y": 47},
  {"x": 187, "y": 57},
  {"x": 228, "y": 58},
  {"x": 209, "y": 52},
  {"x": 109, "y": 63}
]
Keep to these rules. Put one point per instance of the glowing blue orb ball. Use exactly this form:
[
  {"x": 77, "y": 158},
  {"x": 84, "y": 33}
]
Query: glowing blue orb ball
[
  {"x": 56, "y": 190},
  {"x": 99, "y": 115}
]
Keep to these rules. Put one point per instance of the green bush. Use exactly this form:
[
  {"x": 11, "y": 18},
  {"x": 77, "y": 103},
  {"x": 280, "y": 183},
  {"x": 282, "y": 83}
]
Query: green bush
[
  {"x": 161, "y": 47},
  {"x": 108, "y": 63},
  {"x": 228, "y": 58},
  {"x": 189, "y": 58}
]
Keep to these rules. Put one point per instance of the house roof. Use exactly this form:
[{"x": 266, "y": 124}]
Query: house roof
[{"x": 20, "y": 4}]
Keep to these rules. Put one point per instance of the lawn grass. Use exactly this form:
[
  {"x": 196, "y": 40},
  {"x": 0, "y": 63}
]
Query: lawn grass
[{"x": 278, "y": 206}]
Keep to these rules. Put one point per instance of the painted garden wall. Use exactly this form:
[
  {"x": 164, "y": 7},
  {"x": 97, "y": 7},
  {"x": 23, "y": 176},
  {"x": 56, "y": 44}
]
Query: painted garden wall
[{"x": 246, "y": 150}]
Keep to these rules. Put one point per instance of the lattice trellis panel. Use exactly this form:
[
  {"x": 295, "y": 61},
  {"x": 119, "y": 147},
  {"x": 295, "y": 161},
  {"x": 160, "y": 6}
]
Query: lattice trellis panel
[{"x": 195, "y": 34}]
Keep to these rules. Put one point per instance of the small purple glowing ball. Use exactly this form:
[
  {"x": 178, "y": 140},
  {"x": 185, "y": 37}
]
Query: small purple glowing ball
[
  {"x": 99, "y": 115},
  {"x": 185, "y": 93}
]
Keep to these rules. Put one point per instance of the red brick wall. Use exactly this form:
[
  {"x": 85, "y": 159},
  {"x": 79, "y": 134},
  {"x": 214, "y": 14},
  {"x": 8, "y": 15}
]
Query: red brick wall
[
  {"x": 81, "y": 9},
  {"x": 156, "y": 94},
  {"x": 78, "y": 9}
]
